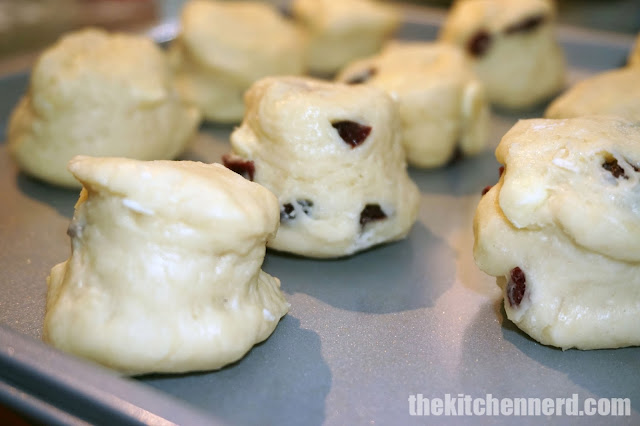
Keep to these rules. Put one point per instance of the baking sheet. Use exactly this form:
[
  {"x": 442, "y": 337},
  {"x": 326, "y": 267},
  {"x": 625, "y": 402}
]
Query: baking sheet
[{"x": 364, "y": 333}]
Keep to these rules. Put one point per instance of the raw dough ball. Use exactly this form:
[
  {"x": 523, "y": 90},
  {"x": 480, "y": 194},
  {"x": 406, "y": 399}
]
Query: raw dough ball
[
  {"x": 332, "y": 155},
  {"x": 164, "y": 274},
  {"x": 440, "y": 102},
  {"x": 513, "y": 46},
  {"x": 560, "y": 231},
  {"x": 614, "y": 92},
  {"x": 343, "y": 30},
  {"x": 98, "y": 94},
  {"x": 225, "y": 46}
]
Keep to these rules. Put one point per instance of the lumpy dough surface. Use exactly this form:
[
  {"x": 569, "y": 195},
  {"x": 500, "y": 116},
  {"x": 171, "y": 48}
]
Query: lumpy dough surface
[
  {"x": 513, "y": 47},
  {"x": 615, "y": 92},
  {"x": 441, "y": 104},
  {"x": 332, "y": 155},
  {"x": 164, "y": 274},
  {"x": 225, "y": 46},
  {"x": 340, "y": 31},
  {"x": 99, "y": 94},
  {"x": 565, "y": 213}
]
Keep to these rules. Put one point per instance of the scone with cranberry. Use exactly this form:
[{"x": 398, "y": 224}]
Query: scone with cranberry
[
  {"x": 513, "y": 48},
  {"x": 441, "y": 104},
  {"x": 223, "y": 47},
  {"x": 343, "y": 30},
  {"x": 100, "y": 94},
  {"x": 332, "y": 155},
  {"x": 164, "y": 274},
  {"x": 615, "y": 92},
  {"x": 560, "y": 231}
]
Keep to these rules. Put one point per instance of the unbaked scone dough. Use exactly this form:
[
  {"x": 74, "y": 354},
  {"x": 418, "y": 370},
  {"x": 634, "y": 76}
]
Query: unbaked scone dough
[
  {"x": 441, "y": 104},
  {"x": 164, "y": 274},
  {"x": 615, "y": 92},
  {"x": 332, "y": 155},
  {"x": 513, "y": 46},
  {"x": 341, "y": 31},
  {"x": 560, "y": 230},
  {"x": 98, "y": 94},
  {"x": 225, "y": 46}
]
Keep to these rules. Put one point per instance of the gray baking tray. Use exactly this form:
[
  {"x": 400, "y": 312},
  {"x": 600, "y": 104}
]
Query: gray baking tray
[{"x": 363, "y": 334}]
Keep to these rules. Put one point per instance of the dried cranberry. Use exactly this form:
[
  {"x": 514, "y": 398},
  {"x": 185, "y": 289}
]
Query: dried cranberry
[
  {"x": 242, "y": 167},
  {"x": 486, "y": 189},
  {"x": 479, "y": 43},
  {"x": 501, "y": 171},
  {"x": 362, "y": 77},
  {"x": 305, "y": 205},
  {"x": 371, "y": 213},
  {"x": 288, "y": 211},
  {"x": 351, "y": 132},
  {"x": 526, "y": 25},
  {"x": 612, "y": 166},
  {"x": 75, "y": 229},
  {"x": 516, "y": 286}
]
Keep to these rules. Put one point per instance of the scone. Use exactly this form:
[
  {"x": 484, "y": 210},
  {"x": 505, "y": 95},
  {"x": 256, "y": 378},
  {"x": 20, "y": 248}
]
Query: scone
[
  {"x": 441, "y": 104},
  {"x": 560, "y": 230},
  {"x": 332, "y": 155},
  {"x": 341, "y": 31},
  {"x": 224, "y": 47},
  {"x": 513, "y": 47},
  {"x": 615, "y": 92},
  {"x": 164, "y": 274},
  {"x": 98, "y": 94}
]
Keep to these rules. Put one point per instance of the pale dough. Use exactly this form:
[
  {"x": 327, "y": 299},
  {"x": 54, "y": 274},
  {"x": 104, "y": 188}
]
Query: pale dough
[
  {"x": 566, "y": 212},
  {"x": 441, "y": 104},
  {"x": 336, "y": 197},
  {"x": 225, "y": 46},
  {"x": 164, "y": 274},
  {"x": 343, "y": 30},
  {"x": 513, "y": 46},
  {"x": 98, "y": 94},
  {"x": 615, "y": 92}
]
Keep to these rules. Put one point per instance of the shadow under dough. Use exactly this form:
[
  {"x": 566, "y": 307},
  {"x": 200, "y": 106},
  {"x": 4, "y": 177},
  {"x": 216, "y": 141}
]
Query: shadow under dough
[
  {"x": 280, "y": 381},
  {"x": 400, "y": 276}
]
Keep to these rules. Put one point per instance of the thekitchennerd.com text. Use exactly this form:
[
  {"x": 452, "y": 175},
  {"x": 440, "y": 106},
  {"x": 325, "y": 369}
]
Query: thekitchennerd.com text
[{"x": 467, "y": 405}]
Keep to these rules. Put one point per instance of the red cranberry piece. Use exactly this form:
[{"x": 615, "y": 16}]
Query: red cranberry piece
[
  {"x": 486, "y": 189},
  {"x": 371, "y": 213},
  {"x": 351, "y": 132},
  {"x": 288, "y": 211},
  {"x": 75, "y": 229},
  {"x": 501, "y": 171},
  {"x": 516, "y": 287},
  {"x": 635, "y": 168},
  {"x": 612, "y": 166},
  {"x": 526, "y": 25},
  {"x": 305, "y": 205},
  {"x": 479, "y": 43},
  {"x": 362, "y": 77},
  {"x": 239, "y": 165}
]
